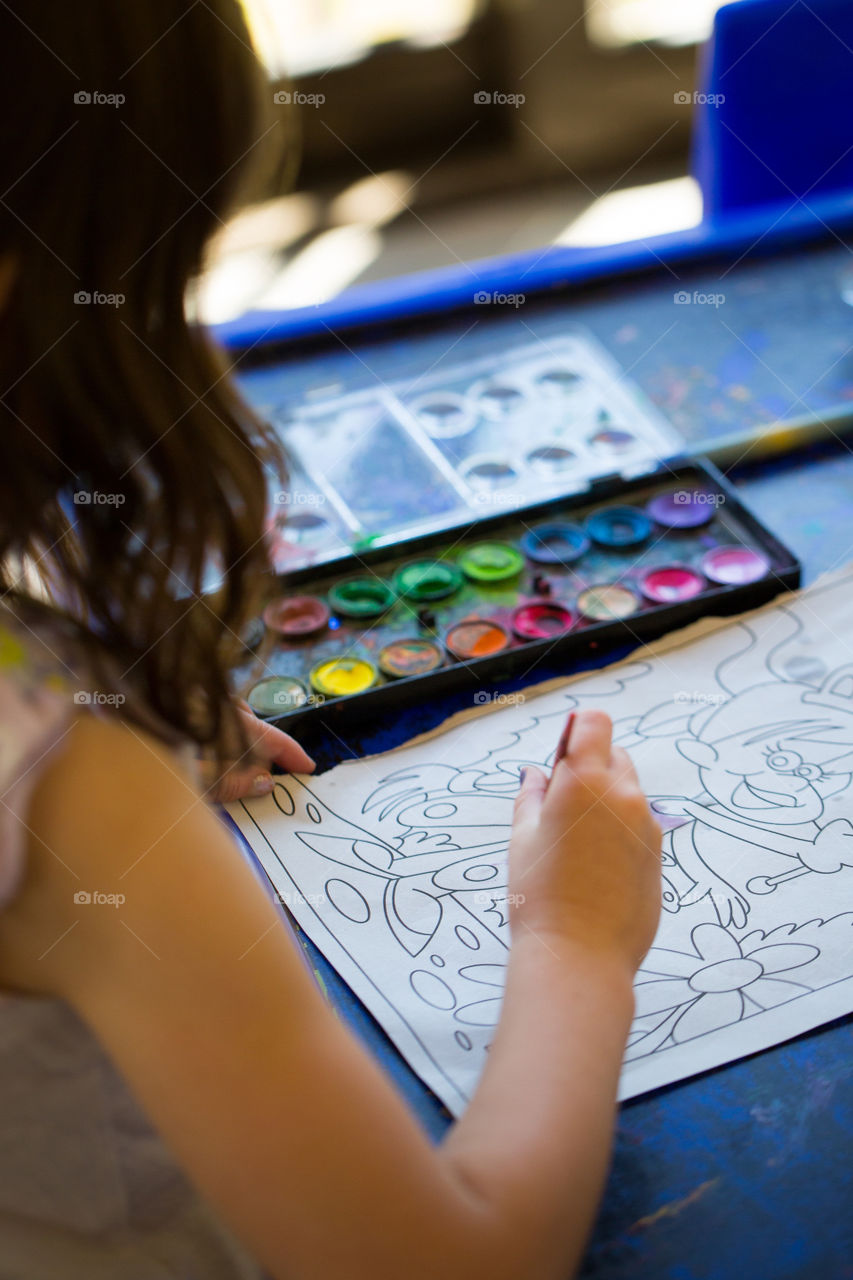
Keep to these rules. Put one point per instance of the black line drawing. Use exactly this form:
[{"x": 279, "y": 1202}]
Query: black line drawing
[
  {"x": 678, "y": 999},
  {"x": 769, "y": 756},
  {"x": 400, "y": 865}
]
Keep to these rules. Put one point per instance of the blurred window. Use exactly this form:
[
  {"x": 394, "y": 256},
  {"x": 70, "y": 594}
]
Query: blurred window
[
  {"x": 300, "y": 37},
  {"x": 617, "y": 23}
]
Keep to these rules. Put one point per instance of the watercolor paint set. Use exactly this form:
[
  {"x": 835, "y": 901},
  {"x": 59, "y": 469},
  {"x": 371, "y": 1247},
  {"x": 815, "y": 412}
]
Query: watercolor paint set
[
  {"x": 415, "y": 456},
  {"x": 507, "y": 594}
]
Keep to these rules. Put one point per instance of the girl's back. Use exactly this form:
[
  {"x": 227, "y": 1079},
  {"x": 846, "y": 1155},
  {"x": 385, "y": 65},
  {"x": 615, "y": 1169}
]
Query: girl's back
[{"x": 88, "y": 1190}]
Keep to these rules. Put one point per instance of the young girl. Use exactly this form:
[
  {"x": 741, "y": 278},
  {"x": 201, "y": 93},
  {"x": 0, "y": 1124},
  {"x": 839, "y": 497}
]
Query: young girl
[{"x": 178, "y": 1101}]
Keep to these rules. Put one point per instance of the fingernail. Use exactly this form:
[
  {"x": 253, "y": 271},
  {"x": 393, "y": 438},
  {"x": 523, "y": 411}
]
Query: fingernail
[{"x": 262, "y": 785}]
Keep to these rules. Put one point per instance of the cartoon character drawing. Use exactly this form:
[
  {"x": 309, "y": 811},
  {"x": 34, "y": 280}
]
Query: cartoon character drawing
[
  {"x": 419, "y": 860},
  {"x": 766, "y": 789},
  {"x": 430, "y": 832}
]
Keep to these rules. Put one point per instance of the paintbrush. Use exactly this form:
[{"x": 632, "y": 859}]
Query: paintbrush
[{"x": 563, "y": 744}]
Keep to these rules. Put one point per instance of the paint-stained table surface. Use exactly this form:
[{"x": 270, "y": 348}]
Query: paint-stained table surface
[{"x": 746, "y": 1171}]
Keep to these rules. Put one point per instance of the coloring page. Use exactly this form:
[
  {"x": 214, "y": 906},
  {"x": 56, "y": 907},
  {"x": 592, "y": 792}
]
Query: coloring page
[{"x": 742, "y": 734}]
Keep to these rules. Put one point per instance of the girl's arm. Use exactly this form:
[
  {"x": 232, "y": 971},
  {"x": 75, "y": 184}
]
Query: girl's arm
[{"x": 273, "y": 1109}]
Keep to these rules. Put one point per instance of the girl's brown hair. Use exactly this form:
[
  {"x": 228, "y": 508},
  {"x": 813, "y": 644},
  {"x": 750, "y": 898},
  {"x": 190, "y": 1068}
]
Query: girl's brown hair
[{"x": 130, "y": 466}]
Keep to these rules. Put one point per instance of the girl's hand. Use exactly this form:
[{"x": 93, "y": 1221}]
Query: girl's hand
[
  {"x": 268, "y": 746},
  {"x": 585, "y": 850}
]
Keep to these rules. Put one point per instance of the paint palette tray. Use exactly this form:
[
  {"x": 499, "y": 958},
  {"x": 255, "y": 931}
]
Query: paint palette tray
[
  {"x": 506, "y": 595},
  {"x": 479, "y": 437}
]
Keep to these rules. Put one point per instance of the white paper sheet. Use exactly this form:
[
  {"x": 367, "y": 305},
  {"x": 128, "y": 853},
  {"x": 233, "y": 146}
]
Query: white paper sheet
[{"x": 395, "y": 866}]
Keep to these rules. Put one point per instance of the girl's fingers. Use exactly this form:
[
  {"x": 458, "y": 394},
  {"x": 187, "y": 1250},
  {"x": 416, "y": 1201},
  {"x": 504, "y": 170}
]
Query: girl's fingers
[
  {"x": 276, "y": 746},
  {"x": 239, "y": 783},
  {"x": 528, "y": 801},
  {"x": 281, "y": 749},
  {"x": 290, "y": 756},
  {"x": 591, "y": 739},
  {"x": 623, "y": 766},
  {"x": 245, "y": 779}
]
